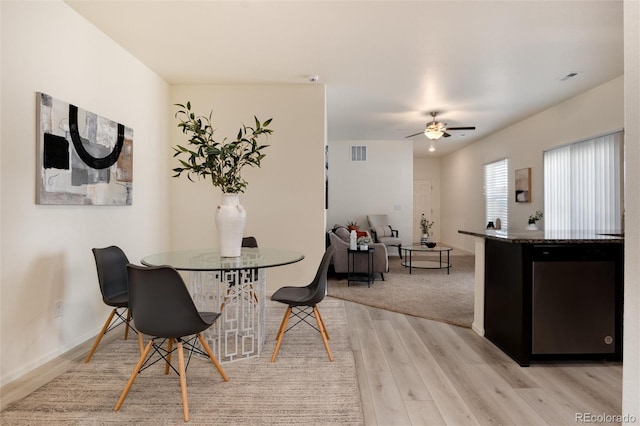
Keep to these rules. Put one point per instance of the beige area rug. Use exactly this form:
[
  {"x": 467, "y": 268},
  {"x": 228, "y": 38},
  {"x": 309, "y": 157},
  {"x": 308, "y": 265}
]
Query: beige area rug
[
  {"x": 301, "y": 387},
  {"x": 426, "y": 293}
]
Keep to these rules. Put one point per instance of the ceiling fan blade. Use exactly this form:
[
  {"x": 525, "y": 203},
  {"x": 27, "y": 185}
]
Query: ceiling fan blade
[
  {"x": 415, "y": 134},
  {"x": 461, "y": 128},
  {"x": 445, "y": 134}
]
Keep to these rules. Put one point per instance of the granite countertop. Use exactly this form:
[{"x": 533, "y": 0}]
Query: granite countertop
[{"x": 548, "y": 237}]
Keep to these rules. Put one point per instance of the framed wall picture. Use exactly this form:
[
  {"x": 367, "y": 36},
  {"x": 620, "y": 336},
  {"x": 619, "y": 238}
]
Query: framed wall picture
[
  {"x": 523, "y": 185},
  {"x": 83, "y": 158}
]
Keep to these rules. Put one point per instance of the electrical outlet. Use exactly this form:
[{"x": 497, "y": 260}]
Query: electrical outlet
[{"x": 57, "y": 309}]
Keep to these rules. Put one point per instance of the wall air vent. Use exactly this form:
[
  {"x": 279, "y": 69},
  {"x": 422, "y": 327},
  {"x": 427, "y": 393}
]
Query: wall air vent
[{"x": 358, "y": 153}]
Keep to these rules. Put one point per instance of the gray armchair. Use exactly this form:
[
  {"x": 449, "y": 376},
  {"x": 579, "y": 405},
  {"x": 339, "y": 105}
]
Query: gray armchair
[
  {"x": 340, "y": 240},
  {"x": 382, "y": 231}
]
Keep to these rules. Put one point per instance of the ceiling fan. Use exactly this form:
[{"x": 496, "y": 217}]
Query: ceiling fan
[{"x": 437, "y": 129}]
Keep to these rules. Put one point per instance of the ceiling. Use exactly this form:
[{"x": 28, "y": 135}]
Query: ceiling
[{"x": 385, "y": 64}]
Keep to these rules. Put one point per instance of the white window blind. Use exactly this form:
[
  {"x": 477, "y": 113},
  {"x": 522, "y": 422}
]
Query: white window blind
[
  {"x": 583, "y": 185},
  {"x": 496, "y": 192}
]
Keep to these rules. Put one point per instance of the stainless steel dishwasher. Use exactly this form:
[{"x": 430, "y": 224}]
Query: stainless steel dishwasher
[{"x": 573, "y": 301}]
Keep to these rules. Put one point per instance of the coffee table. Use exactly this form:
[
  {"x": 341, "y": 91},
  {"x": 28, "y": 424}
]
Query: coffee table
[{"x": 425, "y": 264}]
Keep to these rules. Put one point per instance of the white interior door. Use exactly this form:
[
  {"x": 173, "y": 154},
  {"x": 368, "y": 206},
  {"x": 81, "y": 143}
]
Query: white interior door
[{"x": 422, "y": 191}]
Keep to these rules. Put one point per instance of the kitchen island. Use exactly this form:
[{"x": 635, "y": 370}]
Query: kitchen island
[{"x": 549, "y": 294}]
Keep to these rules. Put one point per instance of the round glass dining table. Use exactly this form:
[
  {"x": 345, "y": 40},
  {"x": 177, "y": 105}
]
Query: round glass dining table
[
  {"x": 233, "y": 286},
  {"x": 210, "y": 259}
]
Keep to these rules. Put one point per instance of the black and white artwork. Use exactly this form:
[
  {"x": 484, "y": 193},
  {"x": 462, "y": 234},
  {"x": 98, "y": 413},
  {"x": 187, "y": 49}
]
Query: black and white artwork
[{"x": 83, "y": 158}]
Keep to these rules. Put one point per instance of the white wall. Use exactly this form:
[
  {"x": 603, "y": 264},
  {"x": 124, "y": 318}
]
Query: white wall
[
  {"x": 595, "y": 112},
  {"x": 631, "y": 369},
  {"x": 285, "y": 196},
  {"x": 46, "y": 250},
  {"x": 426, "y": 168},
  {"x": 381, "y": 185}
]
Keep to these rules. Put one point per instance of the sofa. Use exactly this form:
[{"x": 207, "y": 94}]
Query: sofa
[{"x": 339, "y": 237}]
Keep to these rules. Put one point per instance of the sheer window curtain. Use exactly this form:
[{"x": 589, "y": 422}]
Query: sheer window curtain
[
  {"x": 496, "y": 192},
  {"x": 583, "y": 185}
]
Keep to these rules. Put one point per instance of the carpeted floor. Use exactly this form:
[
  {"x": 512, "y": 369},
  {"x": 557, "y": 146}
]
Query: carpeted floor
[
  {"x": 301, "y": 387},
  {"x": 426, "y": 293}
]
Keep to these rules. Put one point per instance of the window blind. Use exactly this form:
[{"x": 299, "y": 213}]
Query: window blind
[
  {"x": 583, "y": 185},
  {"x": 496, "y": 192}
]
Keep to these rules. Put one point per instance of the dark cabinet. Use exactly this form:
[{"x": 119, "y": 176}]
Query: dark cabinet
[{"x": 554, "y": 301}]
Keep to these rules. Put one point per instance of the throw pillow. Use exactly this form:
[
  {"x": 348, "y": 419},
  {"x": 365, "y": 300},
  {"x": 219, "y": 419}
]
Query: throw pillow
[
  {"x": 383, "y": 231},
  {"x": 343, "y": 233}
]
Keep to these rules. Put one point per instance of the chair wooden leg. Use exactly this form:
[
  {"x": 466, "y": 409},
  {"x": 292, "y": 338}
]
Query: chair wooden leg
[
  {"x": 213, "y": 358},
  {"x": 136, "y": 370},
  {"x": 99, "y": 338},
  {"x": 140, "y": 343},
  {"x": 183, "y": 382},
  {"x": 323, "y": 332},
  {"x": 169, "y": 349},
  {"x": 126, "y": 329},
  {"x": 283, "y": 327},
  {"x": 226, "y": 297},
  {"x": 284, "y": 322},
  {"x": 321, "y": 321}
]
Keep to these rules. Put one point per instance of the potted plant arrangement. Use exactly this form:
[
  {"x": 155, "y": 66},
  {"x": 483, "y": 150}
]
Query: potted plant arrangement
[
  {"x": 533, "y": 219},
  {"x": 363, "y": 243},
  {"x": 426, "y": 225},
  {"x": 222, "y": 162}
]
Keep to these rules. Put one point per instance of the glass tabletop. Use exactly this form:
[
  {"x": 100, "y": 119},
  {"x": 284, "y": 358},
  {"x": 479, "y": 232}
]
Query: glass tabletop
[
  {"x": 210, "y": 259},
  {"x": 420, "y": 247}
]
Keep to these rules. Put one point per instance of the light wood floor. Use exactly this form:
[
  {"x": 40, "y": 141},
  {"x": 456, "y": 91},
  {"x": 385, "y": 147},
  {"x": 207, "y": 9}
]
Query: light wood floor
[{"x": 414, "y": 371}]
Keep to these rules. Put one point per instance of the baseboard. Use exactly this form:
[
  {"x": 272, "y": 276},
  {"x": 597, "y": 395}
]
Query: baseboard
[
  {"x": 457, "y": 251},
  {"x": 479, "y": 330},
  {"x": 40, "y": 376}
]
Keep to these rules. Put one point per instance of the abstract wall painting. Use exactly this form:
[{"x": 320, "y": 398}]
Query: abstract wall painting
[
  {"x": 523, "y": 185},
  {"x": 83, "y": 158}
]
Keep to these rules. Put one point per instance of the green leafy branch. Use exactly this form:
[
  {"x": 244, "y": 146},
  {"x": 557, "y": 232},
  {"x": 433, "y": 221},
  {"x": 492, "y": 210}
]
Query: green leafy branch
[
  {"x": 535, "y": 217},
  {"x": 221, "y": 161},
  {"x": 425, "y": 224}
]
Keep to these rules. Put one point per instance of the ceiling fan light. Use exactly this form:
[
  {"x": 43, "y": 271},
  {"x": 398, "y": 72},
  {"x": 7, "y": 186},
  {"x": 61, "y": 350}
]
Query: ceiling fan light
[{"x": 433, "y": 134}]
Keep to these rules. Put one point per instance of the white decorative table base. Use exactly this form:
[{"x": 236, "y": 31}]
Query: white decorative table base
[{"x": 239, "y": 296}]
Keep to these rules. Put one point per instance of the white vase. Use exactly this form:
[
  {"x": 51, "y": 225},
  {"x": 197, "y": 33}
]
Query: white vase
[
  {"x": 424, "y": 240},
  {"x": 230, "y": 219},
  {"x": 532, "y": 227}
]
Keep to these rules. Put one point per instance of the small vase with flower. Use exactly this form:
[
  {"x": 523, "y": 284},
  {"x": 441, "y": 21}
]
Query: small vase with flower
[{"x": 425, "y": 225}]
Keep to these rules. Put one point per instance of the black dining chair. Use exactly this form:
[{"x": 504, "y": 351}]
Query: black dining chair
[
  {"x": 250, "y": 242},
  {"x": 302, "y": 303},
  {"x": 163, "y": 309},
  {"x": 111, "y": 265}
]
